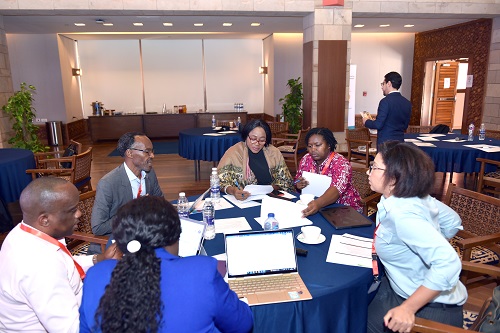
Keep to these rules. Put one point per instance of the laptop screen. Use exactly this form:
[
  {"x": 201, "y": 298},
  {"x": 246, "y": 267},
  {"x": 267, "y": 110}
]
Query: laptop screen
[{"x": 260, "y": 253}]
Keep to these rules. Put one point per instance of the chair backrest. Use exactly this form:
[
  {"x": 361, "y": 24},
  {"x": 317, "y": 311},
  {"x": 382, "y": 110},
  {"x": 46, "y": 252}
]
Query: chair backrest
[
  {"x": 358, "y": 134},
  {"x": 480, "y": 213},
  {"x": 85, "y": 205},
  {"x": 419, "y": 129},
  {"x": 358, "y": 137},
  {"x": 82, "y": 163},
  {"x": 493, "y": 134},
  {"x": 362, "y": 185},
  {"x": 278, "y": 127}
]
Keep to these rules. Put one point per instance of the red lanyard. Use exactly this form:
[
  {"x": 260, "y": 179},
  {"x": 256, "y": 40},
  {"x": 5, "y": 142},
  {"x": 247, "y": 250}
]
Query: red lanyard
[
  {"x": 51, "y": 240},
  {"x": 374, "y": 255},
  {"x": 140, "y": 188},
  {"x": 330, "y": 158}
]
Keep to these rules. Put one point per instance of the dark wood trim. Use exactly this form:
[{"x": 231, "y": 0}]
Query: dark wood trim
[{"x": 307, "y": 65}]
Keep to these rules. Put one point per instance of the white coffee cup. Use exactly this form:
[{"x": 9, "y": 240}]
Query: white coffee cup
[
  {"x": 306, "y": 198},
  {"x": 311, "y": 233}
]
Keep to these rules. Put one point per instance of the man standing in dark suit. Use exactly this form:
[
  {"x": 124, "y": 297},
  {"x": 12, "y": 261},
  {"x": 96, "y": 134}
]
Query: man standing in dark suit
[
  {"x": 394, "y": 111},
  {"x": 135, "y": 177}
]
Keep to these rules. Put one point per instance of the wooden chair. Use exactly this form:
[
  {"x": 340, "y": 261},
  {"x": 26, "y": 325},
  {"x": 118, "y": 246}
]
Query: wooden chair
[
  {"x": 359, "y": 137},
  {"x": 493, "y": 134},
  {"x": 78, "y": 173},
  {"x": 292, "y": 147},
  {"x": 480, "y": 215},
  {"x": 46, "y": 159},
  {"x": 224, "y": 122},
  {"x": 278, "y": 128},
  {"x": 78, "y": 242},
  {"x": 418, "y": 129},
  {"x": 369, "y": 198},
  {"x": 429, "y": 326},
  {"x": 488, "y": 183}
]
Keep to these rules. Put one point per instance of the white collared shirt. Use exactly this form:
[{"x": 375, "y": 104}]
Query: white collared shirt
[{"x": 135, "y": 182}]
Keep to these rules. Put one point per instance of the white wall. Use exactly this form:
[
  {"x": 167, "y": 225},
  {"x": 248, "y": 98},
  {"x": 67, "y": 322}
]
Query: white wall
[
  {"x": 68, "y": 55},
  {"x": 34, "y": 59},
  {"x": 375, "y": 55}
]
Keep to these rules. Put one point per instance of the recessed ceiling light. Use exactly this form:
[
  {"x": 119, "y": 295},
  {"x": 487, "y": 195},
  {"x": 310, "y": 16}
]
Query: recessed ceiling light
[
  {"x": 99, "y": 21},
  {"x": 198, "y": 24},
  {"x": 409, "y": 25},
  {"x": 255, "y": 24},
  {"x": 359, "y": 25},
  {"x": 138, "y": 24},
  {"x": 384, "y": 25},
  {"x": 108, "y": 24},
  {"x": 168, "y": 24},
  {"x": 227, "y": 24},
  {"x": 80, "y": 24}
]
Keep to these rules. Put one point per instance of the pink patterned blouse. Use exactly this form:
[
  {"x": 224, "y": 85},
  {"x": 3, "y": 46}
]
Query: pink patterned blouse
[{"x": 340, "y": 171}]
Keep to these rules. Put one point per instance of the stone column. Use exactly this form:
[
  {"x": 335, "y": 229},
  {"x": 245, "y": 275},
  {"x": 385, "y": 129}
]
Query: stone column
[
  {"x": 6, "y": 88},
  {"x": 491, "y": 111}
]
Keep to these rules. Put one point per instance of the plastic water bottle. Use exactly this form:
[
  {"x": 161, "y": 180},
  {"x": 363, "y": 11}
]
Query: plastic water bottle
[
  {"x": 238, "y": 123},
  {"x": 471, "y": 132},
  {"x": 271, "y": 223},
  {"x": 208, "y": 218},
  {"x": 183, "y": 205},
  {"x": 213, "y": 121},
  {"x": 214, "y": 186},
  {"x": 482, "y": 132}
]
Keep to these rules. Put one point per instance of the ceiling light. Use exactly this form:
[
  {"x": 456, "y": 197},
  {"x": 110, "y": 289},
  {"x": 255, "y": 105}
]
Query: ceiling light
[
  {"x": 384, "y": 25},
  {"x": 409, "y": 25},
  {"x": 80, "y": 24},
  {"x": 108, "y": 24},
  {"x": 168, "y": 24},
  {"x": 255, "y": 24},
  {"x": 76, "y": 71},
  {"x": 263, "y": 70},
  {"x": 198, "y": 24},
  {"x": 227, "y": 24},
  {"x": 138, "y": 24},
  {"x": 359, "y": 25},
  {"x": 99, "y": 21}
]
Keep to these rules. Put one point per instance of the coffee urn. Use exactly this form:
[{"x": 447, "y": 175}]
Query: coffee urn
[{"x": 97, "y": 108}]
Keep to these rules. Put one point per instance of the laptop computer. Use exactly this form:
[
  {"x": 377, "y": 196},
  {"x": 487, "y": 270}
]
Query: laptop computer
[
  {"x": 260, "y": 258},
  {"x": 344, "y": 217},
  {"x": 197, "y": 201},
  {"x": 191, "y": 237}
]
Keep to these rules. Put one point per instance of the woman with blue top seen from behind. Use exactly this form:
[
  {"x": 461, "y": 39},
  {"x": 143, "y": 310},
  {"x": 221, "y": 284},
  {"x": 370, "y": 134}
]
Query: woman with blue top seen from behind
[
  {"x": 412, "y": 228},
  {"x": 152, "y": 289}
]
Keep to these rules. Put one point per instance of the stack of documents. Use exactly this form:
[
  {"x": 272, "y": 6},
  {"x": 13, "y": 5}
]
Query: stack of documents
[{"x": 350, "y": 250}]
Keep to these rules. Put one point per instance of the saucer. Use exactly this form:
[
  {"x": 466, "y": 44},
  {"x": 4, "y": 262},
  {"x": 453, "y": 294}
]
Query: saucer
[{"x": 321, "y": 239}]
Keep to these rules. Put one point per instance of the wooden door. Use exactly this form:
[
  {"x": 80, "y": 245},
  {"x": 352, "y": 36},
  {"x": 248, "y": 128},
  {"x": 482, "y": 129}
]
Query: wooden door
[{"x": 445, "y": 90}]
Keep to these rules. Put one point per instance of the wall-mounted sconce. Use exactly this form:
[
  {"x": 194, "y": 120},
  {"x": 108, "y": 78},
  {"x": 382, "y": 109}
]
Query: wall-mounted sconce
[
  {"x": 76, "y": 71},
  {"x": 262, "y": 70}
]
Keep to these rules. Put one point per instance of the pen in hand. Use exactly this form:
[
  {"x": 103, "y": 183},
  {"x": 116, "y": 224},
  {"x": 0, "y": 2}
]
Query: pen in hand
[{"x": 296, "y": 182}]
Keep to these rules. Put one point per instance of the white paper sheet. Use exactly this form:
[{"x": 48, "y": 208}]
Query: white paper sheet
[
  {"x": 240, "y": 204},
  {"x": 424, "y": 144},
  {"x": 432, "y": 134},
  {"x": 427, "y": 138},
  {"x": 214, "y": 134},
  {"x": 318, "y": 184},
  {"x": 288, "y": 214},
  {"x": 228, "y": 132},
  {"x": 350, "y": 250},
  {"x": 231, "y": 225},
  {"x": 258, "y": 189},
  {"x": 222, "y": 204},
  {"x": 453, "y": 140},
  {"x": 485, "y": 148},
  {"x": 412, "y": 140}
]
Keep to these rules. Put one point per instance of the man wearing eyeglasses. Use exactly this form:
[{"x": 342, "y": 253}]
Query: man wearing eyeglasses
[
  {"x": 394, "y": 111},
  {"x": 133, "y": 178}
]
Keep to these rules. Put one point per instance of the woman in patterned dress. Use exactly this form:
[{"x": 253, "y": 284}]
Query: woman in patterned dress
[{"x": 321, "y": 158}]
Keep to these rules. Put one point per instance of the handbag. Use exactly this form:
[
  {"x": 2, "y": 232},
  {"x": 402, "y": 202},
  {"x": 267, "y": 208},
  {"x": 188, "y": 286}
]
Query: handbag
[
  {"x": 488, "y": 319},
  {"x": 70, "y": 151}
]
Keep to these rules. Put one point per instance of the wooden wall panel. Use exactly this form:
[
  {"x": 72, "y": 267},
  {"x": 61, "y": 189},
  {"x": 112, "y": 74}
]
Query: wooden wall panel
[
  {"x": 471, "y": 40},
  {"x": 307, "y": 84},
  {"x": 332, "y": 64}
]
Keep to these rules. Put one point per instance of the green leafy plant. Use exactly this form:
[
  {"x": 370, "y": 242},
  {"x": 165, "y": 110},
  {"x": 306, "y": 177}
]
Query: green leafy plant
[
  {"x": 292, "y": 105},
  {"x": 20, "y": 109}
]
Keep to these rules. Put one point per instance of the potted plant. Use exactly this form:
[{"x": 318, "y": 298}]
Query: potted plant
[
  {"x": 20, "y": 109},
  {"x": 292, "y": 105}
]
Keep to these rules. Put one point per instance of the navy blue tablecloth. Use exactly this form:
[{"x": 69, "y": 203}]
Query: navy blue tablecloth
[
  {"x": 339, "y": 292},
  {"x": 13, "y": 176},
  {"x": 193, "y": 145},
  {"x": 455, "y": 157}
]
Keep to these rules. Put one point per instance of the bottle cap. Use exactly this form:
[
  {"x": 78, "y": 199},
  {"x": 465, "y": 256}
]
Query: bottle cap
[
  {"x": 214, "y": 172},
  {"x": 270, "y": 215},
  {"x": 182, "y": 194},
  {"x": 208, "y": 200}
]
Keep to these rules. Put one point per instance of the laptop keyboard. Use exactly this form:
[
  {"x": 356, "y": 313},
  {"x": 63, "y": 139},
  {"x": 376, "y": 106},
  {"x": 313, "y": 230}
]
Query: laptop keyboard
[{"x": 288, "y": 282}]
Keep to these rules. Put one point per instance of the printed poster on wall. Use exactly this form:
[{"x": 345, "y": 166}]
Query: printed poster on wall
[{"x": 352, "y": 96}]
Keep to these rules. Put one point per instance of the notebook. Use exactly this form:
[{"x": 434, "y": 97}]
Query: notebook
[
  {"x": 191, "y": 237},
  {"x": 263, "y": 258},
  {"x": 344, "y": 217}
]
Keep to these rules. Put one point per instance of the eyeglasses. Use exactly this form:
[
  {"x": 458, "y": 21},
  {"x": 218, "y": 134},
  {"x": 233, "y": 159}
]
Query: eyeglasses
[
  {"x": 371, "y": 168},
  {"x": 147, "y": 151},
  {"x": 255, "y": 139}
]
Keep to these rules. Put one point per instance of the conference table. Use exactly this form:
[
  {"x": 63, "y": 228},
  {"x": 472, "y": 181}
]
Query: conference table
[
  {"x": 205, "y": 144},
  {"x": 455, "y": 156},
  {"x": 13, "y": 176},
  {"x": 340, "y": 297}
]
